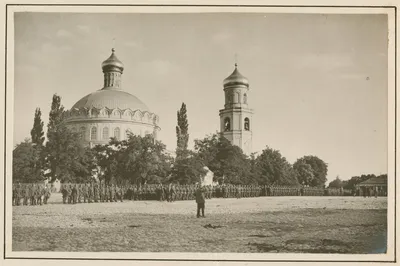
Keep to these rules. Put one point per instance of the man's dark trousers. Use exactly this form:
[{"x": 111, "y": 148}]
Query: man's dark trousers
[{"x": 200, "y": 206}]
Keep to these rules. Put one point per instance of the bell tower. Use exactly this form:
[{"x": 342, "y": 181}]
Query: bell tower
[{"x": 236, "y": 117}]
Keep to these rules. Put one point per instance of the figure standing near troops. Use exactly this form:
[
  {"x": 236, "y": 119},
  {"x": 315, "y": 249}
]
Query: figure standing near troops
[
  {"x": 74, "y": 194},
  {"x": 200, "y": 200}
]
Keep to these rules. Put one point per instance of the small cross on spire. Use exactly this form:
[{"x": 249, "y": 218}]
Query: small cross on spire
[{"x": 113, "y": 49}]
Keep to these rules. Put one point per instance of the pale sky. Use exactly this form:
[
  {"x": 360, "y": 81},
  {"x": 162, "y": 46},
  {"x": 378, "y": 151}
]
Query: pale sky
[{"x": 318, "y": 83}]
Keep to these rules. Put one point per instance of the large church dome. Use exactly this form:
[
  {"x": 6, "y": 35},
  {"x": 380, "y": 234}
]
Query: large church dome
[
  {"x": 111, "y": 111},
  {"x": 111, "y": 99}
]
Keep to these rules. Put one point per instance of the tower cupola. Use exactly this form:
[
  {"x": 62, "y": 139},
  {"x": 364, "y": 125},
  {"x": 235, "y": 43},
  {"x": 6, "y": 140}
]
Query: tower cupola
[{"x": 112, "y": 69}]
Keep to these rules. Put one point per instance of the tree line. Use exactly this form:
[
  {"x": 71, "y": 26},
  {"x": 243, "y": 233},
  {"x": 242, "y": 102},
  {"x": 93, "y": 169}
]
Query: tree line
[{"x": 141, "y": 160}]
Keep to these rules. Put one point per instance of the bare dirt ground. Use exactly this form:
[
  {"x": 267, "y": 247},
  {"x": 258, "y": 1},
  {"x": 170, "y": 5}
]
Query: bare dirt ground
[{"x": 265, "y": 224}]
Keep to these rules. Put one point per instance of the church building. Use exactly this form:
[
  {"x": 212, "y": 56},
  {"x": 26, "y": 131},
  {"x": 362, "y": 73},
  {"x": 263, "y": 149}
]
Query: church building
[
  {"x": 111, "y": 111},
  {"x": 236, "y": 117}
]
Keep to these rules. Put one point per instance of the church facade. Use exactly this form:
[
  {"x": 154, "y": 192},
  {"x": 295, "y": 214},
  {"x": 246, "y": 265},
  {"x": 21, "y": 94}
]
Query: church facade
[
  {"x": 236, "y": 117},
  {"x": 111, "y": 111}
]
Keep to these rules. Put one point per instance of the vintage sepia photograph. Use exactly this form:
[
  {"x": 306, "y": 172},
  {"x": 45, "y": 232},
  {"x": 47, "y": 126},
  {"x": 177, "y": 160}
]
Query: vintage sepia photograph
[{"x": 155, "y": 132}]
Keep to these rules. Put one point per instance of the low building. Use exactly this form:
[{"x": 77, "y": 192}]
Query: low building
[{"x": 375, "y": 183}]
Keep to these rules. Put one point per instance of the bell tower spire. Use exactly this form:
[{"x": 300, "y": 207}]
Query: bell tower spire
[{"x": 236, "y": 117}]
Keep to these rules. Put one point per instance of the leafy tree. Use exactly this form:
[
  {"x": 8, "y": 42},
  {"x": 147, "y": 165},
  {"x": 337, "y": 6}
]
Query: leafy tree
[
  {"x": 107, "y": 161},
  {"x": 188, "y": 170},
  {"x": 319, "y": 169},
  {"x": 138, "y": 160},
  {"x": 228, "y": 162},
  {"x": 26, "y": 163},
  {"x": 207, "y": 150},
  {"x": 234, "y": 165},
  {"x": 56, "y": 115},
  {"x": 255, "y": 173},
  {"x": 337, "y": 183},
  {"x": 37, "y": 133},
  {"x": 304, "y": 173},
  {"x": 66, "y": 157},
  {"x": 182, "y": 133},
  {"x": 275, "y": 169}
]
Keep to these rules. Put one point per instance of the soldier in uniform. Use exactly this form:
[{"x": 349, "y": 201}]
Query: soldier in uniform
[
  {"x": 178, "y": 192},
  {"x": 69, "y": 193},
  {"x": 64, "y": 193},
  {"x": 106, "y": 192},
  {"x": 32, "y": 194},
  {"x": 91, "y": 192},
  {"x": 14, "y": 195},
  {"x": 26, "y": 194},
  {"x": 223, "y": 191},
  {"x": 124, "y": 190},
  {"x": 190, "y": 194},
  {"x": 118, "y": 193},
  {"x": 85, "y": 192},
  {"x": 183, "y": 192},
  {"x": 200, "y": 200},
  {"x": 129, "y": 192},
  {"x": 135, "y": 192},
  {"x": 19, "y": 195},
  {"x": 173, "y": 193},
  {"x": 47, "y": 194},
  {"x": 112, "y": 193},
  {"x": 96, "y": 192},
  {"x": 139, "y": 192},
  {"x": 159, "y": 192},
  {"x": 74, "y": 193},
  {"x": 79, "y": 193},
  {"x": 153, "y": 194},
  {"x": 39, "y": 194}
]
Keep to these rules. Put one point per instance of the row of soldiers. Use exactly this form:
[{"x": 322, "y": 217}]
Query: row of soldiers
[
  {"x": 30, "y": 194},
  {"x": 101, "y": 192}
]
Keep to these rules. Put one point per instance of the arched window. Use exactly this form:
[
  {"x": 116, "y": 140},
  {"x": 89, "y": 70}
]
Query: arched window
[
  {"x": 93, "y": 133},
  {"x": 247, "y": 124},
  {"x": 245, "y": 98},
  {"x": 82, "y": 132},
  {"x": 117, "y": 133},
  {"x": 106, "y": 134},
  {"x": 227, "y": 124}
]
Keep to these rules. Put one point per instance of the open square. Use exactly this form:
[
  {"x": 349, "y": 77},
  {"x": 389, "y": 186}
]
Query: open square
[{"x": 264, "y": 224}]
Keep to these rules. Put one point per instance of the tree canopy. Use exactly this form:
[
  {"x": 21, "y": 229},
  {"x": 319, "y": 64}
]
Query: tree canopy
[
  {"x": 26, "y": 163},
  {"x": 227, "y": 161},
  {"x": 138, "y": 160},
  {"x": 37, "y": 134},
  {"x": 319, "y": 170},
  {"x": 274, "y": 169},
  {"x": 337, "y": 183},
  {"x": 182, "y": 133}
]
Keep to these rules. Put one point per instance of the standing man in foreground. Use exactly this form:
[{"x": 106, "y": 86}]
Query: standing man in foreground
[{"x": 200, "y": 200}]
